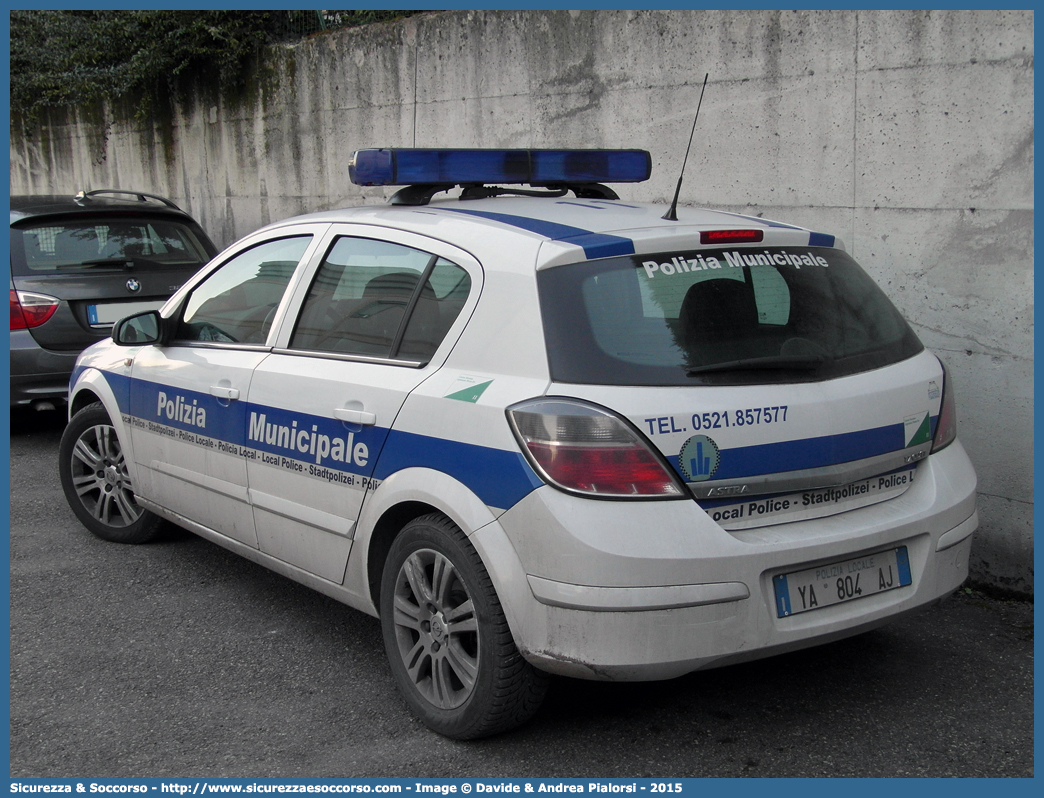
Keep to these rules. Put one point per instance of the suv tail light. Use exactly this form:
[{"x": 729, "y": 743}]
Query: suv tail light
[
  {"x": 946, "y": 427},
  {"x": 31, "y": 310},
  {"x": 585, "y": 449}
]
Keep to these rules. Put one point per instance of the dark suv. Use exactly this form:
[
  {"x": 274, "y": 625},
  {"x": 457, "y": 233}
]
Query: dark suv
[{"x": 79, "y": 264}]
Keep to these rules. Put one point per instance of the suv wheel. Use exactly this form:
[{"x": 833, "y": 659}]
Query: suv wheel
[
  {"x": 446, "y": 636},
  {"x": 97, "y": 483}
]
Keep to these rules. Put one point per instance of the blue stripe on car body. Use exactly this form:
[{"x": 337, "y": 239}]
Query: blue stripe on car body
[
  {"x": 595, "y": 245},
  {"x": 821, "y": 240},
  {"x": 76, "y": 372},
  {"x": 795, "y": 455},
  {"x": 500, "y": 478}
]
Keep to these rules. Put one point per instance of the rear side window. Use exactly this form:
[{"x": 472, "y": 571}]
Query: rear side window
[
  {"x": 84, "y": 243},
  {"x": 783, "y": 314},
  {"x": 378, "y": 299}
]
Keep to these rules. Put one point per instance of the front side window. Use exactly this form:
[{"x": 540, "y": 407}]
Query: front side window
[
  {"x": 96, "y": 244},
  {"x": 377, "y": 299},
  {"x": 742, "y": 316},
  {"x": 237, "y": 302}
]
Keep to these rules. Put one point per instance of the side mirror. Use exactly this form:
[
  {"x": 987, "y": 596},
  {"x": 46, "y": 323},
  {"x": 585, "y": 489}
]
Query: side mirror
[{"x": 139, "y": 329}]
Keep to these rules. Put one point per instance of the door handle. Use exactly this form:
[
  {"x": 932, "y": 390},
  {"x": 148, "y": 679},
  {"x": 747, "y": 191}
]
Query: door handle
[
  {"x": 355, "y": 416},
  {"x": 221, "y": 392}
]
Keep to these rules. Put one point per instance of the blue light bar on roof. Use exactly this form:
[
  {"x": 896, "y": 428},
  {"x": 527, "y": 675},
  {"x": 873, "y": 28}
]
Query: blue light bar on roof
[{"x": 395, "y": 167}]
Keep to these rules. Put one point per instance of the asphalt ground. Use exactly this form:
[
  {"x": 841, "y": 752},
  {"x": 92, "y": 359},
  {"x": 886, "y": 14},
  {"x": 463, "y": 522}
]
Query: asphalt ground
[{"x": 179, "y": 659}]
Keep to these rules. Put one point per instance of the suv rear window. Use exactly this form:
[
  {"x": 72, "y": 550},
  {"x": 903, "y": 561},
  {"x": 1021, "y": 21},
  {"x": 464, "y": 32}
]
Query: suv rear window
[
  {"x": 722, "y": 317},
  {"x": 96, "y": 243}
]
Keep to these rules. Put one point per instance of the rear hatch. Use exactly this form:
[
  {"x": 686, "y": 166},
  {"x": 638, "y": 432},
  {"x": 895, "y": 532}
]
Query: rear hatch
[
  {"x": 102, "y": 268},
  {"x": 778, "y": 382}
]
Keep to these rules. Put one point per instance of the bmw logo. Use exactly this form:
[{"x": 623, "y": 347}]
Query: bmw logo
[{"x": 133, "y": 286}]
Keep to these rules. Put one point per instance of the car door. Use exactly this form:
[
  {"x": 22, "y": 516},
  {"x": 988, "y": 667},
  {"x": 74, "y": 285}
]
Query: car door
[
  {"x": 372, "y": 325},
  {"x": 188, "y": 397}
]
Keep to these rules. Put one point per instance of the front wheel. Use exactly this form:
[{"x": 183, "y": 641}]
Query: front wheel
[
  {"x": 448, "y": 642},
  {"x": 97, "y": 482}
]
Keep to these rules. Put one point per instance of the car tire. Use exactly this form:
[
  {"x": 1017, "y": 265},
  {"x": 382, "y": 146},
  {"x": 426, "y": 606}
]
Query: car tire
[
  {"x": 97, "y": 483},
  {"x": 448, "y": 642}
]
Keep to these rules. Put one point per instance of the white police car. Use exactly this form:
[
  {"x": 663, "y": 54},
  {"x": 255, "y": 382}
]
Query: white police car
[{"x": 538, "y": 434}]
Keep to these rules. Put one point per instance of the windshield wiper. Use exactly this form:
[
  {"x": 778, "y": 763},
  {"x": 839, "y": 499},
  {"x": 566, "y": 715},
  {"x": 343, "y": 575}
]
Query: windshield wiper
[
  {"x": 798, "y": 362},
  {"x": 128, "y": 261},
  {"x": 110, "y": 262},
  {"x": 98, "y": 262}
]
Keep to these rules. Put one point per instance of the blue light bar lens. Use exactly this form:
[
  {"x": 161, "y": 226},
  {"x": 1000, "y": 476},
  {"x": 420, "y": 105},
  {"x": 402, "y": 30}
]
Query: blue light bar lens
[
  {"x": 591, "y": 166},
  {"x": 370, "y": 167},
  {"x": 394, "y": 167}
]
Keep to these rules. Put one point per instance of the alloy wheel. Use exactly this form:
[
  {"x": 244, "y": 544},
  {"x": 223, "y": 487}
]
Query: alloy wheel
[
  {"x": 436, "y": 630},
  {"x": 100, "y": 477}
]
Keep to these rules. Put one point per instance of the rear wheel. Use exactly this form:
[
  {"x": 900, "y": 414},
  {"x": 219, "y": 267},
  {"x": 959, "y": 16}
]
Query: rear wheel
[
  {"x": 446, "y": 636},
  {"x": 96, "y": 480}
]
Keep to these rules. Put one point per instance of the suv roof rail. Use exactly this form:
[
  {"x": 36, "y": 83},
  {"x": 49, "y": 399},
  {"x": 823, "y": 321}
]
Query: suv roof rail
[{"x": 141, "y": 195}]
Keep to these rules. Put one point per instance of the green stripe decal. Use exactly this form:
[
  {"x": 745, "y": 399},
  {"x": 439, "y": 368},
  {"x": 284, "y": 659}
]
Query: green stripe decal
[
  {"x": 923, "y": 432},
  {"x": 469, "y": 394}
]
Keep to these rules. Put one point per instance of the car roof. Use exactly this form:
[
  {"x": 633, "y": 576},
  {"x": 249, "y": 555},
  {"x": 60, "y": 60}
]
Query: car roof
[
  {"x": 538, "y": 215},
  {"x": 562, "y": 229},
  {"x": 25, "y": 206}
]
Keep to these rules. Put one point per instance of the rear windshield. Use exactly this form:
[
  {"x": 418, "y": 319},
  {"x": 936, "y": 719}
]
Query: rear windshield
[
  {"x": 721, "y": 317},
  {"x": 84, "y": 243}
]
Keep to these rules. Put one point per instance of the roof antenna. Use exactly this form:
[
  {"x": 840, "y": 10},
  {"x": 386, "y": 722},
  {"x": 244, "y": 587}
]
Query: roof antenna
[{"x": 672, "y": 213}]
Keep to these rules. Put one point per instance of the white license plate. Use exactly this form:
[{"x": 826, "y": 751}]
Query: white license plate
[
  {"x": 836, "y": 583},
  {"x": 107, "y": 314}
]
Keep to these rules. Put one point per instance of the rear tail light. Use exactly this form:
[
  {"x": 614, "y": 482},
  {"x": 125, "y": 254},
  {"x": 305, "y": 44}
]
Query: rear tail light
[
  {"x": 31, "y": 310},
  {"x": 946, "y": 426},
  {"x": 585, "y": 449}
]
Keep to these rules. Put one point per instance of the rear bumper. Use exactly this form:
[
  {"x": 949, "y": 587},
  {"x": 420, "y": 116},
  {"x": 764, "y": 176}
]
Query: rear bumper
[
  {"x": 38, "y": 373},
  {"x": 654, "y": 590}
]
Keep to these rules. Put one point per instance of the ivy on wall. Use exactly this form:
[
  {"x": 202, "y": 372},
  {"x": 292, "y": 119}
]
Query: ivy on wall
[{"x": 62, "y": 58}]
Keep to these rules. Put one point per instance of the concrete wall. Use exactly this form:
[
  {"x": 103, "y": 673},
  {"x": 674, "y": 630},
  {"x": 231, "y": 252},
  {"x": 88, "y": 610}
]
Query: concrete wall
[{"x": 909, "y": 134}]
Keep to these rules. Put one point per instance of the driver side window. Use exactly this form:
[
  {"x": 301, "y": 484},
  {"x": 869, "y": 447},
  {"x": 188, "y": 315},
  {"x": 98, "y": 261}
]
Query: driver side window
[{"x": 237, "y": 302}]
